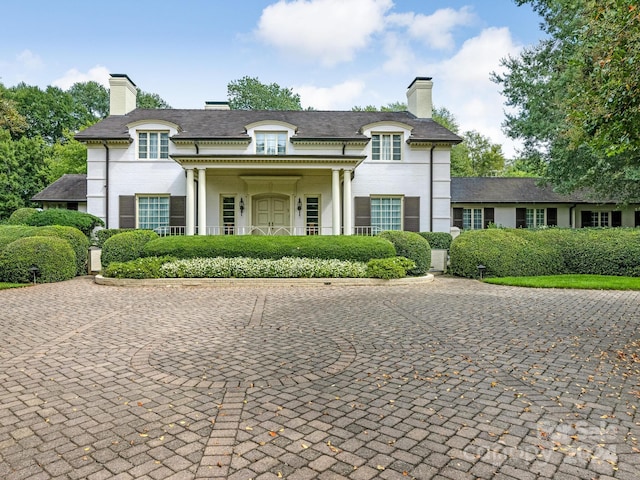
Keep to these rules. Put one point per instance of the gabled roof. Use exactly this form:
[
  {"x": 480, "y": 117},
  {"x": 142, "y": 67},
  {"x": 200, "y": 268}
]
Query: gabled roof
[
  {"x": 507, "y": 190},
  {"x": 68, "y": 188},
  {"x": 230, "y": 124}
]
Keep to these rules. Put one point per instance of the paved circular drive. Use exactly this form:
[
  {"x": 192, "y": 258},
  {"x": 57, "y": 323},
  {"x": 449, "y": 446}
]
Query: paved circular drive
[{"x": 451, "y": 379}]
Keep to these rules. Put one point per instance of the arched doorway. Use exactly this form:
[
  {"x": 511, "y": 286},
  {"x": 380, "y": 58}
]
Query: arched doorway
[{"x": 271, "y": 215}]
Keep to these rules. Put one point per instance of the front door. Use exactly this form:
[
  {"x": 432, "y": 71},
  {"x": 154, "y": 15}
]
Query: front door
[{"x": 271, "y": 215}]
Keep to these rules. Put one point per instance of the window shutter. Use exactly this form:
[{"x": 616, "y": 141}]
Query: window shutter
[
  {"x": 489, "y": 216},
  {"x": 412, "y": 214},
  {"x": 127, "y": 211},
  {"x": 362, "y": 207},
  {"x": 177, "y": 211},
  {"x": 616, "y": 218},
  {"x": 637, "y": 219},
  {"x": 521, "y": 218},
  {"x": 585, "y": 218},
  {"x": 552, "y": 217},
  {"x": 457, "y": 217}
]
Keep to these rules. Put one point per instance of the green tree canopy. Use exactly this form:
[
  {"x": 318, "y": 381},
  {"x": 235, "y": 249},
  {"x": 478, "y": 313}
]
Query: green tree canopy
[
  {"x": 576, "y": 96},
  {"x": 249, "y": 93}
]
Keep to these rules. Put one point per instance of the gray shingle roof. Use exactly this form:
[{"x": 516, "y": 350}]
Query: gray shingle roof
[
  {"x": 215, "y": 124},
  {"x": 68, "y": 188},
  {"x": 507, "y": 190}
]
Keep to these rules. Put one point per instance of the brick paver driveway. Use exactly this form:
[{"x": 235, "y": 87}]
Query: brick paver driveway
[{"x": 454, "y": 379}]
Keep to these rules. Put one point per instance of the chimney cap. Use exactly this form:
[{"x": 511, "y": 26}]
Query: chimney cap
[
  {"x": 122, "y": 75},
  {"x": 418, "y": 79}
]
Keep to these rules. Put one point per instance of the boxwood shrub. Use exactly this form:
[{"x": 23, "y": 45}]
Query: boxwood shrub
[
  {"x": 145, "y": 267},
  {"x": 126, "y": 246},
  {"x": 101, "y": 236},
  {"x": 53, "y": 257},
  {"x": 21, "y": 215},
  {"x": 412, "y": 246},
  {"x": 388, "y": 268},
  {"x": 438, "y": 240},
  {"x": 355, "y": 248},
  {"x": 85, "y": 222}
]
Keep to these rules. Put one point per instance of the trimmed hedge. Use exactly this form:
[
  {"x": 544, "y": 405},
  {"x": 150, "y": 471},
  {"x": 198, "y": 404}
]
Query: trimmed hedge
[
  {"x": 85, "y": 222},
  {"x": 388, "y": 268},
  {"x": 147, "y": 267},
  {"x": 354, "y": 248},
  {"x": 21, "y": 215},
  {"x": 101, "y": 236},
  {"x": 412, "y": 246},
  {"x": 551, "y": 251},
  {"x": 438, "y": 240},
  {"x": 126, "y": 246},
  {"x": 52, "y": 256}
]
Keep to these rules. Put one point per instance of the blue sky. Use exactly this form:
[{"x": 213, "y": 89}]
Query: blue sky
[{"x": 335, "y": 53}]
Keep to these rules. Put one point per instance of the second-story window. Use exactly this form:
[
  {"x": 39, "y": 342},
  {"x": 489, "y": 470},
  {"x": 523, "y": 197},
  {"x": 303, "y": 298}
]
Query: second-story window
[
  {"x": 386, "y": 146},
  {"x": 153, "y": 145},
  {"x": 271, "y": 143}
]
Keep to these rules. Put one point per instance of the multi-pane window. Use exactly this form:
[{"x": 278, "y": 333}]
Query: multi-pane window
[
  {"x": 599, "y": 219},
  {"x": 153, "y": 211},
  {"x": 312, "y": 213},
  {"x": 472, "y": 218},
  {"x": 386, "y": 213},
  {"x": 228, "y": 215},
  {"x": 386, "y": 146},
  {"x": 535, "y": 217},
  {"x": 153, "y": 145},
  {"x": 271, "y": 143}
]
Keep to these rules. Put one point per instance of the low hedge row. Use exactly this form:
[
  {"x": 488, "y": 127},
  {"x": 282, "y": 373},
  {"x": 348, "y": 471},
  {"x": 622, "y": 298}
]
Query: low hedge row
[
  {"x": 552, "y": 251},
  {"x": 410, "y": 245},
  {"x": 353, "y": 248}
]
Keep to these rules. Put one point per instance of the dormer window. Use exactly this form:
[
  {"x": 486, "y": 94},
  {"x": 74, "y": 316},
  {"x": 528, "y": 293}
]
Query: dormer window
[
  {"x": 386, "y": 146},
  {"x": 271, "y": 143},
  {"x": 153, "y": 145}
]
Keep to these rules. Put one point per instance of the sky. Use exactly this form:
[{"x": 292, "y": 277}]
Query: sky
[{"x": 336, "y": 54}]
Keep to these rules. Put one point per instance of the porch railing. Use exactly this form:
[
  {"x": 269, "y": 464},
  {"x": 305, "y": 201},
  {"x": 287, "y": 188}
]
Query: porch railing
[{"x": 263, "y": 230}]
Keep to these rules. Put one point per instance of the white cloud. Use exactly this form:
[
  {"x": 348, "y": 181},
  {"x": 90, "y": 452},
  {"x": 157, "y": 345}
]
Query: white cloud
[
  {"x": 30, "y": 60},
  {"x": 329, "y": 31},
  {"x": 98, "y": 74},
  {"x": 434, "y": 30},
  {"x": 400, "y": 55},
  {"x": 330, "y": 98}
]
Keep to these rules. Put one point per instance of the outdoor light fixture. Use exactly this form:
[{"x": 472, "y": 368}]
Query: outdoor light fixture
[
  {"x": 481, "y": 270},
  {"x": 35, "y": 272},
  {"x": 241, "y": 206},
  {"x": 299, "y": 206}
]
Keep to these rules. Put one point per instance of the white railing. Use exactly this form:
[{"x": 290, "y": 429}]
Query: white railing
[{"x": 263, "y": 230}]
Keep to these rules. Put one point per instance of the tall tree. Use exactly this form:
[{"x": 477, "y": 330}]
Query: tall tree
[
  {"x": 91, "y": 97},
  {"x": 486, "y": 158},
  {"x": 150, "y": 100},
  {"x": 248, "y": 93},
  {"x": 68, "y": 156},
  {"x": 575, "y": 96}
]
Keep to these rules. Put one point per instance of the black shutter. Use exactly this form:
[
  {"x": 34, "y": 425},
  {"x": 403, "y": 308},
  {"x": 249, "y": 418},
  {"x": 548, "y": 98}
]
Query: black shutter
[
  {"x": 489, "y": 216},
  {"x": 637, "y": 219},
  {"x": 412, "y": 214},
  {"x": 616, "y": 218},
  {"x": 457, "y": 217},
  {"x": 552, "y": 217},
  {"x": 362, "y": 207},
  {"x": 127, "y": 211},
  {"x": 585, "y": 218},
  {"x": 521, "y": 218},
  {"x": 177, "y": 211}
]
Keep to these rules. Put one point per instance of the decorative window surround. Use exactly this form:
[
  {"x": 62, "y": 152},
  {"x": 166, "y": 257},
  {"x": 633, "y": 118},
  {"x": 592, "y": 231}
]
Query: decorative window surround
[
  {"x": 153, "y": 145},
  {"x": 386, "y": 146}
]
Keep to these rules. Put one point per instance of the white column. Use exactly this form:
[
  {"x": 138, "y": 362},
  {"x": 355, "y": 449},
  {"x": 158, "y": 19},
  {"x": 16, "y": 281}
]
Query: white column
[
  {"x": 347, "y": 203},
  {"x": 191, "y": 198},
  {"x": 335, "y": 200},
  {"x": 202, "y": 201}
]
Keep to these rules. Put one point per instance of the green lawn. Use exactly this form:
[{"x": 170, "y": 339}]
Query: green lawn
[
  {"x": 595, "y": 282},
  {"x": 4, "y": 285}
]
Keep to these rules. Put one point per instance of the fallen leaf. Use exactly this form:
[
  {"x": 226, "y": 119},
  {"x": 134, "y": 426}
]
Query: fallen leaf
[{"x": 273, "y": 434}]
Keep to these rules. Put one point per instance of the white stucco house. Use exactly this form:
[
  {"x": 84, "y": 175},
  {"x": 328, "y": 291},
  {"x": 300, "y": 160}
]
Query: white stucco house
[{"x": 217, "y": 171}]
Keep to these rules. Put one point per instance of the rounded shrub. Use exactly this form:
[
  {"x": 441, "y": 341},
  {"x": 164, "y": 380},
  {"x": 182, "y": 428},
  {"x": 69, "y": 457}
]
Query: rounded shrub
[
  {"x": 388, "y": 268},
  {"x": 78, "y": 241},
  {"x": 21, "y": 216},
  {"x": 53, "y": 257},
  {"x": 126, "y": 246},
  {"x": 438, "y": 240},
  {"x": 412, "y": 246},
  {"x": 85, "y": 222},
  {"x": 101, "y": 236}
]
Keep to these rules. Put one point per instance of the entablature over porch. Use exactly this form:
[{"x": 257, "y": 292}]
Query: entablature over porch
[{"x": 269, "y": 161}]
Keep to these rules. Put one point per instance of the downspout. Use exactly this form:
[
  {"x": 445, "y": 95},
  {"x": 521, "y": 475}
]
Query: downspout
[
  {"x": 571, "y": 222},
  {"x": 106, "y": 184},
  {"x": 431, "y": 189}
]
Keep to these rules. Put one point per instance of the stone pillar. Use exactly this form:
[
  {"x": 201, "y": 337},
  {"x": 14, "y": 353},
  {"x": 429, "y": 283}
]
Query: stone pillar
[
  {"x": 202, "y": 201},
  {"x": 347, "y": 203},
  {"x": 191, "y": 199},
  {"x": 335, "y": 201}
]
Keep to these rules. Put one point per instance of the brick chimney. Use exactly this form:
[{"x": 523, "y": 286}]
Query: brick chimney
[
  {"x": 419, "y": 98},
  {"x": 122, "y": 94}
]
